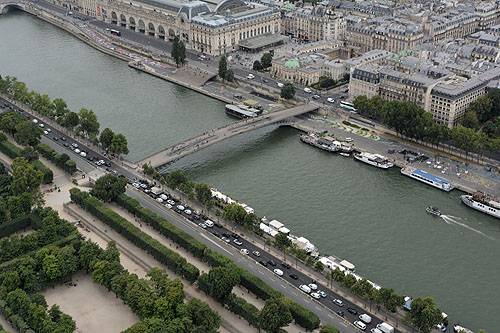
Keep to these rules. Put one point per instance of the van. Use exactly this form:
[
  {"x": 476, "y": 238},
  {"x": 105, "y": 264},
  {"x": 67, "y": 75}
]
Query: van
[
  {"x": 307, "y": 90},
  {"x": 305, "y": 288},
  {"x": 386, "y": 328},
  {"x": 360, "y": 325},
  {"x": 365, "y": 318},
  {"x": 209, "y": 223}
]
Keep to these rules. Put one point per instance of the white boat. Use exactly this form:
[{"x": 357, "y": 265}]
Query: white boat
[
  {"x": 319, "y": 142},
  {"x": 374, "y": 159},
  {"x": 457, "y": 328},
  {"x": 344, "y": 154},
  {"x": 483, "y": 203},
  {"x": 428, "y": 178},
  {"x": 433, "y": 211}
]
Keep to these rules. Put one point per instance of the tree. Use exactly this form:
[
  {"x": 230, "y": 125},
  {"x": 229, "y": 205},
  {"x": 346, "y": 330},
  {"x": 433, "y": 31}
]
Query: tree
[
  {"x": 202, "y": 316},
  {"x": 88, "y": 125},
  {"x": 274, "y": 315},
  {"x": 223, "y": 67},
  {"x": 138, "y": 328},
  {"x": 257, "y": 66},
  {"x": 234, "y": 212},
  {"x": 482, "y": 107},
  {"x": 282, "y": 242},
  {"x": 119, "y": 145},
  {"x": 319, "y": 267},
  {"x": 43, "y": 105},
  {"x": 266, "y": 60},
  {"x": 28, "y": 134},
  {"x": 61, "y": 108},
  {"x": 108, "y": 187},
  {"x": 204, "y": 195},
  {"x": 88, "y": 255},
  {"x": 329, "y": 329},
  {"x": 469, "y": 119},
  {"x": 26, "y": 182},
  {"x": 178, "y": 51},
  {"x": 70, "y": 120},
  {"x": 29, "y": 154},
  {"x": 221, "y": 281},
  {"x": 230, "y": 75},
  {"x": 287, "y": 91},
  {"x": 175, "y": 178},
  {"x": 9, "y": 121},
  {"x": 106, "y": 138},
  {"x": 423, "y": 314}
]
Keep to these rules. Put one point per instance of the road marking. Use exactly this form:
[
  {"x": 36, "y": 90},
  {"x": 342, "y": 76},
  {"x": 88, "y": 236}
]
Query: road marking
[
  {"x": 306, "y": 301},
  {"x": 294, "y": 293},
  {"x": 331, "y": 316},
  {"x": 272, "y": 279},
  {"x": 319, "y": 309},
  {"x": 261, "y": 273},
  {"x": 341, "y": 323},
  {"x": 282, "y": 286},
  {"x": 216, "y": 244}
]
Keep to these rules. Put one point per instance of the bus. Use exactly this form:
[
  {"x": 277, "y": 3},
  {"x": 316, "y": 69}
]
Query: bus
[
  {"x": 348, "y": 106},
  {"x": 116, "y": 32}
]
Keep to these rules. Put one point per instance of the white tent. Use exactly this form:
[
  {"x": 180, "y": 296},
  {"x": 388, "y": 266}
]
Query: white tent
[{"x": 276, "y": 224}]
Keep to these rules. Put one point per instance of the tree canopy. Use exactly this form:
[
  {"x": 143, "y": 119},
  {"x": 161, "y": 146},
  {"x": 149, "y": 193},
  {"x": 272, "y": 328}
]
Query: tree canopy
[
  {"x": 108, "y": 187},
  {"x": 287, "y": 91}
]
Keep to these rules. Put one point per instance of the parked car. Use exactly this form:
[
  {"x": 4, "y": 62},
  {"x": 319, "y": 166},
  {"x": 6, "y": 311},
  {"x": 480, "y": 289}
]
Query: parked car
[
  {"x": 179, "y": 207},
  {"x": 322, "y": 293},
  {"x": 313, "y": 286},
  {"x": 349, "y": 139},
  {"x": 225, "y": 239},
  {"x": 315, "y": 295},
  {"x": 280, "y": 85},
  {"x": 340, "y": 313},
  {"x": 338, "y": 302},
  {"x": 316, "y": 97},
  {"x": 237, "y": 242},
  {"x": 286, "y": 265},
  {"x": 307, "y": 90},
  {"x": 352, "y": 311},
  {"x": 263, "y": 263},
  {"x": 202, "y": 225},
  {"x": 271, "y": 262},
  {"x": 305, "y": 288},
  {"x": 256, "y": 253},
  {"x": 278, "y": 272},
  {"x": 245, "y": 251},
  {"x": 250, "y": 76},
  {"x": 294, "y": 276},
  {"x": 360, "y": 325}
]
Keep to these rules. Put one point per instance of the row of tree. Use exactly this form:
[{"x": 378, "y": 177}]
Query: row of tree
[
  {"x": 302, "y": 316},
  {"x": 84, "y": 123},
  {"x": 158, "y": 300},
  {"x": 411, "y": 121}
]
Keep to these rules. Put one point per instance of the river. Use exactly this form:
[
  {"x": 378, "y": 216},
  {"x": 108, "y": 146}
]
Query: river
[{"x": 373, "y": 218}]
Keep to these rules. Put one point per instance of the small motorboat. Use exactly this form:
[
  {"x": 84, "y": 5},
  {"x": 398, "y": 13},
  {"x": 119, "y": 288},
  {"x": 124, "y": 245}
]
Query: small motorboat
[
  {"x": 344, "y": 154},
  {"x": 433, "y": 210}
]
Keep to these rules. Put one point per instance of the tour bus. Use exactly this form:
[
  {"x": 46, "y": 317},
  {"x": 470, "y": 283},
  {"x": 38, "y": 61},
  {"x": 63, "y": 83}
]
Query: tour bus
[
  {"x": 348, "y": 106},
  {"x": 116, "y": 32}
]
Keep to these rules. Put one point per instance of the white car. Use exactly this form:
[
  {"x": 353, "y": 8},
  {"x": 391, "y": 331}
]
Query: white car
[
  {"x": 169, "y": 206},
  {"x": 360, "y": 325},
  {"x": 307, "y": 90},
  {"x": 180, "y": 207},
  {"x": 83, "y": 154},
  {"x": 278, "y": 272},
  {"x": 49, "y": 130},
  {"x": 136, "y": 185},
  {"x": 245, "y": 251},
  {"x": 35, "y": 121},
  {"x": 322, "y": 293},
  {"x": 375, "y": 330},
  {"x": 187, "y": 211},
  {"x": 330, "y": 100},
  {"x": 305, "y": 288},
  {"x": 280, "y": 85},
  {"x": 338, "y": 302},
  {"x": 349, "y": 140},
  {"x": 170, "y": 201},
  {"x": 77, "y": 151},
  {"x": 250, "y": 76},
  {"x": 313, "y": 286},
  {"x": 45, "y": 132},
  {"x": 160, "y": 200},
  {"x": 163, "y": 196},
  {"x": 41, "y": 125},
  {"x": 315, "y": 295},
  {"x": 237, "y": 242}
]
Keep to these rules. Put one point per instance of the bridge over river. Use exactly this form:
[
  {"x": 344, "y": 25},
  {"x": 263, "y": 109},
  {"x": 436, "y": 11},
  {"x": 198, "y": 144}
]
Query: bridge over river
[{"x": 217, "y": 135}]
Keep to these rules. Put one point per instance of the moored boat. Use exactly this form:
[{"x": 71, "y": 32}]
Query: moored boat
[
  {"x": 428, "y": 178},
  {"x": 344, "y": 154},
  {"x": 433, "y": 211},
  {"x": 483, "y": 203},
  {"x": 319, "y": 142},
  {"x": 457, "y": 328},
  {"x": 377, "y": 160}
]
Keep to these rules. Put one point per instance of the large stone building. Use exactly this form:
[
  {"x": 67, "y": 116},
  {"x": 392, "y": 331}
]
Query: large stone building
[
  {"x": 384, "y": 33},
  {"x": 314, "y": 24},
  {"x": 214, "y": 27},
  {"x": 452, "y": 24}
]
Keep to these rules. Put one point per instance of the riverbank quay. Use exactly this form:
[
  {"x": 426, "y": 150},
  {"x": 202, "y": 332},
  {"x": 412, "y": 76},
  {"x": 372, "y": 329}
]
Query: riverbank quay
[{"x": 465, "y": 176}]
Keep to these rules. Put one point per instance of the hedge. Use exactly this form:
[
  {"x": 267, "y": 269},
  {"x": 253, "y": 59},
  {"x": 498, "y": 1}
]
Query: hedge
[
  {"x": 48, "y": 175},
  {"x": 244, "y": 309},
  {"x": 61, "y": 160},
  {"x": 160, "y": 252},
  {"x": 14, "y": 225},
  {"x": 255, "y": 285},
  {"x": 10, "y": 149}
]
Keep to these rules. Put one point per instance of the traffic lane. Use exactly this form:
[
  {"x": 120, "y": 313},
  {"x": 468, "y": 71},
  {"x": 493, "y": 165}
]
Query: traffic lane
[{"x": 213, "y": 243}]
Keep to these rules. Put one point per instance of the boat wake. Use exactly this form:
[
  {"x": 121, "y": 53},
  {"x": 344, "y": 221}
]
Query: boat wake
[{"x": 453, "y": 220}]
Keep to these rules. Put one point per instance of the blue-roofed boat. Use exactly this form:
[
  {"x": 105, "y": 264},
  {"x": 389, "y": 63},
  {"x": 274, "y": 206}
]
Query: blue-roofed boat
[{"x": 428, "y": 178}]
